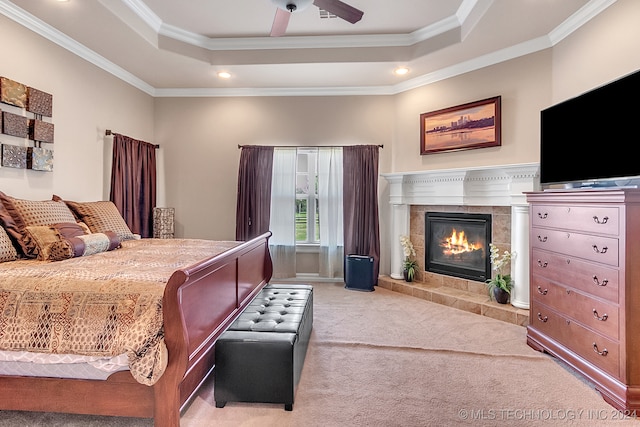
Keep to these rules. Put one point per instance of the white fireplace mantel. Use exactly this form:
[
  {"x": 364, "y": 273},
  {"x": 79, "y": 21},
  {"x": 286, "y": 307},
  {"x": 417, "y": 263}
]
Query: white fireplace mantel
[{"x": 483, "y": 186}]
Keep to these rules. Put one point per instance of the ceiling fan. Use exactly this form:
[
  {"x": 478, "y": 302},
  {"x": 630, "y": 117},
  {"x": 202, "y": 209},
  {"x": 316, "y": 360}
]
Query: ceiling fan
[{"x": 287, "y": 7}]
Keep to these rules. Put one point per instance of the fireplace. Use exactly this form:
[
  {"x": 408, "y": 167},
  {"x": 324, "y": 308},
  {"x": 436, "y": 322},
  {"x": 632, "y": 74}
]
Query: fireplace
[
  {"x": 456, "y": 244},
  {"x": 499, "y": 188}
]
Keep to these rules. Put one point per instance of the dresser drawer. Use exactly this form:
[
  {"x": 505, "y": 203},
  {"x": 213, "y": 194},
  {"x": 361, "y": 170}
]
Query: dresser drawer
[
  {"x": 603, "y": 220},
  {"x": 594, "y": 248},
  {"x": 592, "y": 312},
  {"x": 597, "y": 349},
  {"x": 595, "y": 279}
]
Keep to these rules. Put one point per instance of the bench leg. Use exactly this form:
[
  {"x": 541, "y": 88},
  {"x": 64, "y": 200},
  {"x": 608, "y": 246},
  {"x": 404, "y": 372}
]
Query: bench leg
[
  {"x": 288, "y": 406},
  {"x": 220, "y": 404}
]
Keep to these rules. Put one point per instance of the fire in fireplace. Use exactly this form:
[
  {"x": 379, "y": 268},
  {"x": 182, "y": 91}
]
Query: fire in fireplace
[{"x": 456, "y": 244}]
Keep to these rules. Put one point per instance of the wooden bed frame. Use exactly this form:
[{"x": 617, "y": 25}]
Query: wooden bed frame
[{"x": 199, "y": 303}]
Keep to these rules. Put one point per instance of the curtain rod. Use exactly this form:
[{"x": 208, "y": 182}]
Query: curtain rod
[
  {"x": 303, "y": 146},
  {"x": 109, "y": 133}
]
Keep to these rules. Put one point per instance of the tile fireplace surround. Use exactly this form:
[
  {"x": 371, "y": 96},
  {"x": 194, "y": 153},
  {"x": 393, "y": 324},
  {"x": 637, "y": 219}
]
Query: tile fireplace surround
[{"x": 467, "y": 188}]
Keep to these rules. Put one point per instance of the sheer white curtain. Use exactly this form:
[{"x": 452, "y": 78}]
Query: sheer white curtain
[
  {"x": 282, "y": 243},
  {"x": 331, "y": 258}
]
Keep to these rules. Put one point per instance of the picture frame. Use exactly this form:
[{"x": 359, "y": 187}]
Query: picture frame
[{"x": 463, "y": 127}]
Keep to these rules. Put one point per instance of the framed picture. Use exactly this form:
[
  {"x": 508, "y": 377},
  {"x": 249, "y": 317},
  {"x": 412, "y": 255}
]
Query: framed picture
[{"x": 467, "y": 126}]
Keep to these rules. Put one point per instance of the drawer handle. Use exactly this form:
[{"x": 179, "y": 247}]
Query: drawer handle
[
  {"x": 542, "y": 239},
  {"x": 597, "y": 220},
  {"x": 542, "y": 264},
  {"x": 604, "y": 352},
  {"x": 601, "y": 318},
  {"x": 542, "y": 215},
  {"x": 597, "y": 281},
  {"x": 600, "y": 251},
  {"x": 541, "y": 292},
  {"x": 542, "y": 319}
]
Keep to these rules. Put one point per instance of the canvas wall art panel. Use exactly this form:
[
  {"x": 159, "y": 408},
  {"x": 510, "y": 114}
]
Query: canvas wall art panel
[
  {"x": 12, "y": 92},
  {"x": 40, "y": 131},
  {"x": 40, "y": 159},
  {"x": 15, "y": 125},
  {"x": 39, "y": 102},
  {"x": 14, "y": 156}
]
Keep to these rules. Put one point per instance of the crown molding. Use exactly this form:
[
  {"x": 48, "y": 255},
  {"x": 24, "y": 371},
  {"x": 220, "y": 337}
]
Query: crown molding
[
  {"x": 300, "y": 42},
  {"x": 40, "y": 27},
  {"x": 143, "y": 11},
  {"x": 586, "y": 13},
  {"x": 483, "y": 61},
  {"x": 578, "y": 19}
]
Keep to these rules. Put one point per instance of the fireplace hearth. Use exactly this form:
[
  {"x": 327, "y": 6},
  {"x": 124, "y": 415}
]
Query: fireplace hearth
[{"x": 456, "y": 244}]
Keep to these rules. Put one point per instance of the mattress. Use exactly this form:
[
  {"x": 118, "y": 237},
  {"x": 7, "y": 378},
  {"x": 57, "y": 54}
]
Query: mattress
[{"x": 31, "y": 364}]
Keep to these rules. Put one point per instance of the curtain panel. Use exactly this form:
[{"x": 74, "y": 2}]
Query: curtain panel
[
  {"x": 254, "y": 191},
  {"x": 361, "y": 220},
  {"x": 282, "y": 243},
  {"x": 133, "y": 182},
  {"x": 330, "y": 195}
]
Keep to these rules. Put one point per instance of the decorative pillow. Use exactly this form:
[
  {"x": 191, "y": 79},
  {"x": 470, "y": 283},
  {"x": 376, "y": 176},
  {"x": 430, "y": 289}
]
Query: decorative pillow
[
  {"x": 70, "y": 229},
  {"x": 29, "y": 213},
  {"x": 9, "y": 227},
  {"x": 84, "y": 227},
  {"x": 100, "y": 217},
  {"x": 61, "y": 250},
  {"x": 7, "y": 250},
  {"x": 42, "y": 237},
  {"x": 89, "y": 244},
  {"x": 52, "y": 244}
]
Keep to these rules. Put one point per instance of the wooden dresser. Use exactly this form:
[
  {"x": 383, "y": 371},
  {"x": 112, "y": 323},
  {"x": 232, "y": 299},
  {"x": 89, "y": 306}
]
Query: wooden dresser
[{"x": 585, "y": 286}]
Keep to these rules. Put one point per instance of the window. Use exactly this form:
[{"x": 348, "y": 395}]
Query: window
[
  {"x": 307, "y": 209},
  {"x": 306, "y": 188}
]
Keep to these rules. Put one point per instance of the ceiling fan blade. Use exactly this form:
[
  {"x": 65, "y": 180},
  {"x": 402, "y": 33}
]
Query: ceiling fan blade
[
  {"x": 340, "y": 9},
  {"x": 280, "y": 23}
]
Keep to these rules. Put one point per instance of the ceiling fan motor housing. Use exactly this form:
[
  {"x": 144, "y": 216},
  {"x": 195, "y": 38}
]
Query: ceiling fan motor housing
[{"x": 292, "y": 5}]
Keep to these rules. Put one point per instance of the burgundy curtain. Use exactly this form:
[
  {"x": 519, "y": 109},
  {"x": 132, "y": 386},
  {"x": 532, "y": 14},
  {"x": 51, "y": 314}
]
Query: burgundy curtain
[
  {"x": 360, "y": 203},
  {"x": 253, "y": 206},
  {"x": 133, "y": 182}
]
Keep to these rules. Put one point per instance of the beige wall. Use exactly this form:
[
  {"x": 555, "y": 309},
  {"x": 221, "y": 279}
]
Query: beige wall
[
  {"x": 604, "y": 49},
  {"x": 86, "y": 101},
  {"x": 523, "y": 85},
  {"x": 199, "y": 136}
]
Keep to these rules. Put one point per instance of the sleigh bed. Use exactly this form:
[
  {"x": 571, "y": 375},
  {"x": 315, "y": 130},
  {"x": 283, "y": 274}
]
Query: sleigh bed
[{"x": 160, "y": 304}]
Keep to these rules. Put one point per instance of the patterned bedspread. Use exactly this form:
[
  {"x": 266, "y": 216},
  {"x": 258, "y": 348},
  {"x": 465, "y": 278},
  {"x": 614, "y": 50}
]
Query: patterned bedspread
[{"x": 104, "y": 304}]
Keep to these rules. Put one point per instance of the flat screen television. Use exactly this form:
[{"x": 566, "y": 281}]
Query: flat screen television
[{"x": 590, "y": 140}]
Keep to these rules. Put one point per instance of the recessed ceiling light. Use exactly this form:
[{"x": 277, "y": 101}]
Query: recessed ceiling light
[
  {"x": 401, "y": 71},
  {"x": 224, "y": 75}
]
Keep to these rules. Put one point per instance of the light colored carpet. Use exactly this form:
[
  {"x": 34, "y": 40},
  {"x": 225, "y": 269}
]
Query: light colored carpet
[{"x": 386, "y": 359}]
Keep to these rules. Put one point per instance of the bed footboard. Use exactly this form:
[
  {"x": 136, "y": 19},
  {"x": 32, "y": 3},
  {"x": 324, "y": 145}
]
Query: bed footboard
[{"x": 199, "y": 303}]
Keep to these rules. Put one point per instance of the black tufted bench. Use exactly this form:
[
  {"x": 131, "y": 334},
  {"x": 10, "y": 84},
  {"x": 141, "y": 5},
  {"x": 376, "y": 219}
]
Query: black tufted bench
[{"x": 260, "y": 357}]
